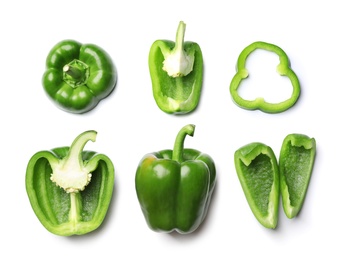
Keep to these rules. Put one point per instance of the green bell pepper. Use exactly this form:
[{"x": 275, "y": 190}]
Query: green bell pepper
[
  {"x": 283, "y": 69},
  {"x": 176, "y": 70},
  {"x": 296, "y": 164},
  {"x": 258, "y": 172},
  {"x": 174, "y": 187},
  {"x": 78, "y": 76},
  {"x": 70, "y": 189}
]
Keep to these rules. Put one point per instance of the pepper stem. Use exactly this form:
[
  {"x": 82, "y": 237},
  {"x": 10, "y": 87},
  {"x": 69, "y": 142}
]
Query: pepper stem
[
  {"x": 70, "y": 173},
  {"x": 76, "y": 73},
  {"x": 73, "y": 72},
  {"x": 180, "y": 35},
  {"x": 178, "y": 148},
  {"x": 177, "y": 62},
  {"x": 76, "y": 148}
]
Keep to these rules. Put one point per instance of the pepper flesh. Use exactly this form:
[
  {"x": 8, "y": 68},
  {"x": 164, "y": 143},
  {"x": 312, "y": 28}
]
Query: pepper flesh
[
  {"x": 296, "y": 163},
  {"x": 176, "y": 70},
  {"x": 258, "y": 172},
  {"x": 283, "y": 69},
  {"x": 174, "y": 187},
  {"x": 70, "y": 189},
  {"x": 78, "y": 76}
]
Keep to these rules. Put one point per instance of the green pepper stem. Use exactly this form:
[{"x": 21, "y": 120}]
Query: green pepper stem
[
  {"x": 180, "y": 36},
  {"x": 177, "y": 62},
  {"x": 75, "y": 73},
  {"x": 75, "y": 151},
  {"x": 71, "y": 173},
  {"x": 178, "y": 148}
]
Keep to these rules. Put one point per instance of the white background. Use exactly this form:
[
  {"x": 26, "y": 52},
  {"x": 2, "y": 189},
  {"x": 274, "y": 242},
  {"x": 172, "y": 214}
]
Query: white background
[{"x": 129, "y": 123}]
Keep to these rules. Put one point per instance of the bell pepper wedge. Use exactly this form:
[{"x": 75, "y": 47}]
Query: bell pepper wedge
[
  {"x": 296, "y": 163},
  {"x": 78, "y": 76},
  {"x": 174, "y": 187},
  {"x": 176, "y": 70},
  {"x": 283, "y": 69},
  {"x": 258, "y": 173},
  {"x": 70, "y": 189}
]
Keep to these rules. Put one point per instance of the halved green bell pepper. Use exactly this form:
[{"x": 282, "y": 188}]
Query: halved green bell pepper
[
  {"x": 258, "y": 172},
  {"x": 78, "y": 76},
  {"x": 296, "y": 163},
  {"x": 283, "y": 69},
  {"x": 70, "y": 189},
  {"x": 174, "y": 187},
  {"x": 176, "y": 70}
]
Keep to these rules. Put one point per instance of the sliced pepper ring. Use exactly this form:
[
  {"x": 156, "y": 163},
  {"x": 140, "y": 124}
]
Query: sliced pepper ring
[{"x": 283, "y": 69}]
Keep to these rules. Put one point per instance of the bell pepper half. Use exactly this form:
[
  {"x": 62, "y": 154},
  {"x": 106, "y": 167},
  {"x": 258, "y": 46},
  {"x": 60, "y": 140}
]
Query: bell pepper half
[
  {"x": 70, "y": 189},
  {"x": 258, "y": 172},
  {"x": 78, "y": 76},
  {"x": 176, "y": 70},
  {"x": 283, "y": 69},
  {"x": 296, "y": 163},
  {"x": 174, "y": 187}
]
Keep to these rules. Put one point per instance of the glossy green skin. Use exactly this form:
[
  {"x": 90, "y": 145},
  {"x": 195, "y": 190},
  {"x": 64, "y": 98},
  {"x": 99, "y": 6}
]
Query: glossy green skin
[
  {"x": 258, "y": 172},
  {"x": 173, "y": 195},
  {"x": 86, "y": 95},
  {"x": 179, "y": 95},
  {"x": 296, "y": 163},
  {"x": 283, "y": 69},
  {"x": 52, "y": 204}
]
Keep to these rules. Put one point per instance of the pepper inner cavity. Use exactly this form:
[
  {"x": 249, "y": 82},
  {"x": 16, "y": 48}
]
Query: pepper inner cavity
[
  {"x": 295, "y": 171},
  {"x": 259, "y": 177}
]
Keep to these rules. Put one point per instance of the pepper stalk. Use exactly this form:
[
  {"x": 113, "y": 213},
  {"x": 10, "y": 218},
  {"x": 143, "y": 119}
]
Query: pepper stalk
[
  {"x": 178, "y": 148},
  {"x": 177, "y": 62},
  {"x": 76, "y": 73},
  {"x": 70, "y": 173}
]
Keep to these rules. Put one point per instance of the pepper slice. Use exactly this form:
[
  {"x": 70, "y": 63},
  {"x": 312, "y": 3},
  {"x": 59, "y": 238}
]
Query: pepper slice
[
  {"x": 176, "y": 70},
  {"x": 283, "y": 69},
  {"x": 258, "y": 172},
  {"x": 296, "y": 163},
  {"x": 78, "y": 76},
  {"x": 174, "y": 187},
  {"x": 70, "y": 189}
]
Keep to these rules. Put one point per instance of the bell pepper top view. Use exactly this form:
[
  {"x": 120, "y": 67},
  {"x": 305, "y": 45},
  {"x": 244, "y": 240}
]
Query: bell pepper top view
[
  {"x": 258, "y": 172},
  {"x": 174, "y": 187},
  {"x": 176, "y": 70},
  {"x": 70, "y": 189},
  {"x": 78, "y": 76},
  {"x": 283, "y": 69}
]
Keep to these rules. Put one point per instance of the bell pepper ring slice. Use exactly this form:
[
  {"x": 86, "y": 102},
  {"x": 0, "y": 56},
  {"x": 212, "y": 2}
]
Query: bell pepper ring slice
[{"x": 283, "y": 69}]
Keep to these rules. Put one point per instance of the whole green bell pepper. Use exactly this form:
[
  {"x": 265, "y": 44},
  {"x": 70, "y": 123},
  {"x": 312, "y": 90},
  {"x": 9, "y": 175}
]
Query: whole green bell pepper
[
  {"x": 283, "y": 69},
  {"x": 258, "y": 172},
  {"x": 296, "y": 163},
  {"x": 174, "y": 187},
  {"x": 78, "y": 76},
  {"x": 176, "y": 70},
  {"x": 70, "y": 189}
]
